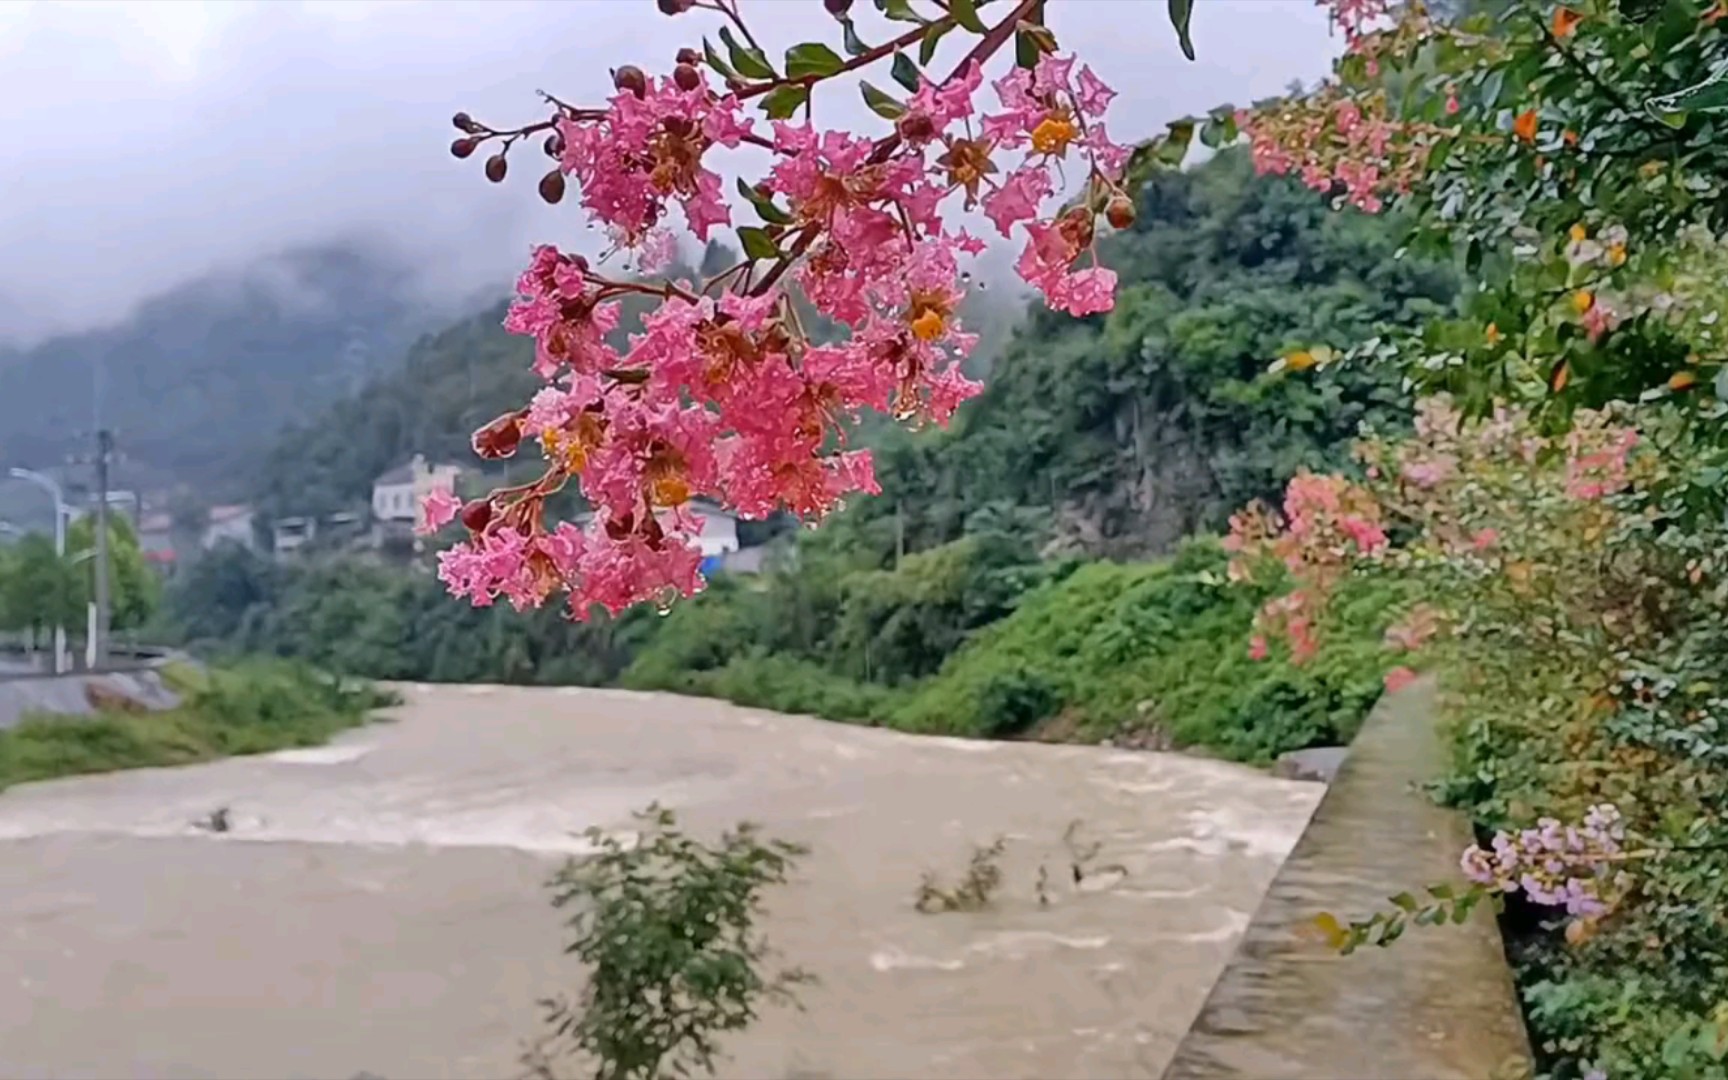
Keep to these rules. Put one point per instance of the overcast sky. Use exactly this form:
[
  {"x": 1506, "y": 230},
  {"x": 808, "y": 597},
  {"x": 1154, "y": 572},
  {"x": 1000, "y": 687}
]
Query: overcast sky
[{"x": 150, "y": 141}]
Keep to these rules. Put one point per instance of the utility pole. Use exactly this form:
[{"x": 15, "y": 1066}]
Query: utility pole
[{"x": 104, "y": 449}]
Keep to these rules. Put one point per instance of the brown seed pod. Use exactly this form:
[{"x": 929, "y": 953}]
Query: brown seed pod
[
  {"x": 1120, "y": 212},
  {"x": 463, "y": 122},
  {"x": 496, "y": 167},
  {"x": 630, "y": 77},
  {"x": 676, "y": 7},
  {"x": 552, "y": 186},
  {"x": 689, "y": 56},
  {"x": 554, "y": 145},
  {"x": 500, "y": 438},
  {"x": 686, "y": 77},
  {"x": 477, "y": 514},
  {"x": 463, "y": 147},
  {"x": 837, "y": 8}
]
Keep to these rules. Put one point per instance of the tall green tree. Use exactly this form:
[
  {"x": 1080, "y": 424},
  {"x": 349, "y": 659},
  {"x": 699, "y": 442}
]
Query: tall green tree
[
  {"x": 134, "y": 589},
  {"x": 38, "y": 590}
]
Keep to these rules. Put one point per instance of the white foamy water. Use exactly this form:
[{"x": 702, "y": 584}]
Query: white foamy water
[
  {"x": 378, "y": 904},
  {"x": 321, "y": 755}
]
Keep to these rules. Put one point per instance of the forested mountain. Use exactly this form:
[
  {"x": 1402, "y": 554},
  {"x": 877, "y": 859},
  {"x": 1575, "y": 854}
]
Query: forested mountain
[{"x": 202, "y": 377}]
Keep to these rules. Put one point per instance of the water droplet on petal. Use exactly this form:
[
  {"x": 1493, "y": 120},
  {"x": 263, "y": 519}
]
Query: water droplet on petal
[
  {"x": 982, "y": 285},
  {"x": 965, "y": 275}
]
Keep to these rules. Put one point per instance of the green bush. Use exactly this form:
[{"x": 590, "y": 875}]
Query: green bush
[
  {"x": 782, "y": 683},
  {"x": 1116, "y": 647},
  {"x": 254, "y": 708}
]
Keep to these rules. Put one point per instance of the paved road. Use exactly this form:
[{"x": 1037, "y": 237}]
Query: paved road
[{"x": 379, "y": 906}]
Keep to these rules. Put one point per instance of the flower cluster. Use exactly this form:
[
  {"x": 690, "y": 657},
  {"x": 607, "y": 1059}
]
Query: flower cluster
[
  {"x": 1336, "y": 142},
  {"x": 1327, "y": 524},
  {"x": 722, "y": 394},
  {"x": 1555, "y": 865}
]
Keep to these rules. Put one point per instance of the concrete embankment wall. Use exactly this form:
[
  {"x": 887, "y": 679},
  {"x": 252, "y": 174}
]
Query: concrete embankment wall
[
  {"x": 79, "y": 694},
  {"x": 1438, "y": 1003}
]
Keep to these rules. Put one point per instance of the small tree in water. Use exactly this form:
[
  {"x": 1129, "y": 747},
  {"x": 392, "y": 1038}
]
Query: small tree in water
[{"x": 667, "y": 930}]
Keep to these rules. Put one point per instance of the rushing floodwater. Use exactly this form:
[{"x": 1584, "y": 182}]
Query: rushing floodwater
[{"x": 378, "y": 905}]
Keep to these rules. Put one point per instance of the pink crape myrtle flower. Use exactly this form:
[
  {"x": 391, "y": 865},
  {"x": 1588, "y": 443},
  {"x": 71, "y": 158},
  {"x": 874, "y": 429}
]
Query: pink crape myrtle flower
[
  {"x": 1398, "y": 678},
  {"x": 437, "y": 510},
  {"x": 1555, "y": 865},
  {"x": 557, "y": 308},
  {"x": 644, "y": 151}
]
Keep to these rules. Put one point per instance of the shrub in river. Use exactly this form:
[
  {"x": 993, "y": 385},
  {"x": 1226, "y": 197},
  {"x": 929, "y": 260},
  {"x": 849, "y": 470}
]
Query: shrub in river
[{"x": 667, "y": 929}]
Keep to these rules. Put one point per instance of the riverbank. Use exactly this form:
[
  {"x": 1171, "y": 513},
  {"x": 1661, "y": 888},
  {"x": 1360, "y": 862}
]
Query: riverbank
[{"x": 252, "y": 708}]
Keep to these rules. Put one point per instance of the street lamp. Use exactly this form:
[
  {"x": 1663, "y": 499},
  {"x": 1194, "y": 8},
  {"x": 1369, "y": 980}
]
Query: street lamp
[{"x": 62, "y": 513}]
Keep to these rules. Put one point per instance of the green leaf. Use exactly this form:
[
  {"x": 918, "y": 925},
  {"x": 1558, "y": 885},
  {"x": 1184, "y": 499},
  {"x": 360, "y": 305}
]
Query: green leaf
[
  {"x": 932, "y": 38},
  {"x": 881, "y": 103},
  {"x": 757, "y": 243},
  {"x": 765, "y": 207},
  {"x": 854, "y": 44},
  {"x": 1404, "y": 902},
  {"x": 1441, "y": 891},
  {"x": 965, "y": 13},
  {"x": 1181, "y": 13},
  {"x": 708, "y": 53},
  {"x": 749, "y": 60},
  {"x": 906, "y": 73},
  {"x": 1709, "y": 96},
  {"x": 1025, "y": 50},
  {"x": 901, "y": 10},
  {"x": 1174, "y": 146},
  {"x": 812, "y": 59},
  {"x": 785, "y": 100}
]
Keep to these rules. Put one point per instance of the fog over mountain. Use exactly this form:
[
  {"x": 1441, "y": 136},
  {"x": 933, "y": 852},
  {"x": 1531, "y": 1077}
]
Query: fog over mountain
[{"x": 157, "y": 141}]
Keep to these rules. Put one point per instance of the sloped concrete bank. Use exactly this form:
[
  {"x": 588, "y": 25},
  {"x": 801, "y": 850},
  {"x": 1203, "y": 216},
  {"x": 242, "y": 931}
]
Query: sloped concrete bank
[
  {"x": 1437, "y": 1004},
  {"x": 81, "y": 694}
]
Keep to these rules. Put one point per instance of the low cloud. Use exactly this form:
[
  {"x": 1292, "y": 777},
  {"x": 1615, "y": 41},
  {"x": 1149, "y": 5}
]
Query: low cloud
[{"x": 158, "y": 140}]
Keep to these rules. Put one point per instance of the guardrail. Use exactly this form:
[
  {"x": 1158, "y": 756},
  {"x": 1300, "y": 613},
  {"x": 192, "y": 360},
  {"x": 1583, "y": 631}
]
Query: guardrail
[{"x": 38, "y": 664}]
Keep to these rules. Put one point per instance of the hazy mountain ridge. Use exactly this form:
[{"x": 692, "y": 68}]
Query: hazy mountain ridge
[{"x": 199, "y": 380}]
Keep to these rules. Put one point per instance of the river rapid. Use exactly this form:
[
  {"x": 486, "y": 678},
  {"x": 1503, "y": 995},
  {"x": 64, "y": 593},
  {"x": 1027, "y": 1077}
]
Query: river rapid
[{"x": 378, "y": 905}]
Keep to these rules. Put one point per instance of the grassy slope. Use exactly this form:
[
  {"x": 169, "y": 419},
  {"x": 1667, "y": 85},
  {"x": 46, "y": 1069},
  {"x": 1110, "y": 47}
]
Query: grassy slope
[
  {"x": 251, "y": 709},
  {"x": 1108, "y": 650}
]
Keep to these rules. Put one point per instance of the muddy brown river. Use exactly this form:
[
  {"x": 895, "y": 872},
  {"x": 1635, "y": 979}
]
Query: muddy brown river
[{"x": 378, "y": 906}]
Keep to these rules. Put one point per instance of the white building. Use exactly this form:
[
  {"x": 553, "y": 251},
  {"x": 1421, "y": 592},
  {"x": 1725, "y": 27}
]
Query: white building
[
  {"x": 719, "y": 534},
  {"x": 228, "y": 524},
  {"x": 398, "y": 495}
]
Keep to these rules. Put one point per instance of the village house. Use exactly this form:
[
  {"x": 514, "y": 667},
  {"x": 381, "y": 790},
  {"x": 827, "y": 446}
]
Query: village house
[
  {"x": 156, "y": 540},
  {"x": 228, "y": 524},
  {"x": 399, "y": 500}
]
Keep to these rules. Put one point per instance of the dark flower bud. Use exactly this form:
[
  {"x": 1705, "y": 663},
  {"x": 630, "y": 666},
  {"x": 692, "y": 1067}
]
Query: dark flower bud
[
  {"x": 554, "y": 145},
  {"x": 686, "y": 77},
  {"x": 464, "y": 122},
  {"x": 915, "y": 127},
  {"x": 463, "y": 147},
  {"x": 676, "y": 7},
  {"x": 1120, "y": 212},
  {"x": 689, "y": 56},
  {"x": 500, "y": 438},
  {"x": 496, "y": 167},
  {"x": 837, "y": 8},
  {"x": 476, "y": 514},
  {"x": 630, "y": 77},
  {"x": 552, "y": 186}
]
